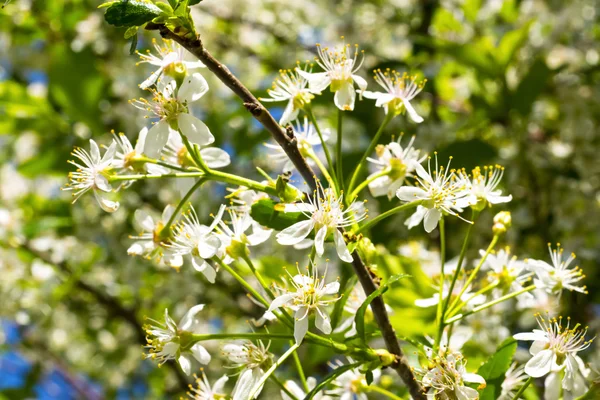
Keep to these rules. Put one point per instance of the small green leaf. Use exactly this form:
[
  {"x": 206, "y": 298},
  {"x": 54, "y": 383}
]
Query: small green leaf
[
  {"x": 360, "y": 314},
  {"x": 369, "y": 377},
  {"x": 510, "y": 43},
  {"x": 133, "y": 47},
  {"x": 131, "y": 13},
  {"x": 194, "y": 2},
  {"x": 334, "y": 374},
  {"x": 130, "y": 32},
  {"x": 494, "y": 369},
  {"x": 270, "y": 214}
]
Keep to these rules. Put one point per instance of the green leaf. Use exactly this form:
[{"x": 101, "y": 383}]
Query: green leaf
[
  {"x": 531, "y": 86},
  {"x": 133, "y": 46},
  {"x": 471, "y": 9},
  {"x": 511, "y": 42},
  {"x": 270, "y": 214},
  {"x": 194, "y": 2},
  {"x": 131, "y": 13},
  {"x": 360, "y": 314},
  {"x": 334, "y": 374},
  {"x": 494, "y": 369}
]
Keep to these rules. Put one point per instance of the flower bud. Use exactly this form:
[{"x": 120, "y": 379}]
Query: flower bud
[
  {"x": 502, "y": 221},
  {"x": 385, "y": 356}
]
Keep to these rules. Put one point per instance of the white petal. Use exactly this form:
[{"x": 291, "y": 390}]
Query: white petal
[
  {"x": 372, "y": 95},
  {"x": 102, "y": 183},
  {"x": 331, "y": 288},
  {"x": 432, "y": 301},
  {"x": 379, "y": 186},
  {"x": 202, "y": 266},
  {"x": 296, "y": 233},
  {"x": 220, "y": 384},
  {"x": 192, "y": 88},
  {"x": 94, "y": 152},
  {"x": 540, "y": 364},
  {"x": 151, "y": 79},
  {"x": 185, "y": 363},
  {"x": 136, "y": 249},
  {"x": 144, "y": 220},
  {"x": 106, "y": 204},
  {"x": 340, "y": 247},
  {"x": 200, "y": 354},
  {"x": 466, "y": 393},
  {"x": 344, "y": 98},
  {"x": 301, "y": 325},
  {"x": 360, "y": 82},
  {"x": 322, "y": 322},
  {"x": 215, "y": 157},
  {"x": 473, "y": 378},
  {"x": 410, "y": 193},
  {"x": 539, "y": 335},
  {"x": 209, "y": 246},
  {"x": 320, "y": 240},
  {"x": 289, "y": 114},
  {"x": 141, "y": 140},
  {"x": 317, "y": 82},
  {"x": 552, "y": 387},
  {"x": 195, "y": 130},
  {"x": 431, "y": 218},
  {"x": 167, "y": 213},
  {"x": 281, "y": 301},
  {"x": 188, "y": 319},
  {"x": 411, "y": 112},
  {"x": 416, "y": 218},
  {"x": 157, "y": 138}
]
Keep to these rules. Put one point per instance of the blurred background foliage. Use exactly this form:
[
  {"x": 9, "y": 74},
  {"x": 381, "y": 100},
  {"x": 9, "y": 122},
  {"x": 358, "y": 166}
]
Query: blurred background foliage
[{"x": 509, "y": 82}]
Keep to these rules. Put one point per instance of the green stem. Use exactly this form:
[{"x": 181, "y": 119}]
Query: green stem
[
  {"x": 461, "y": 258},
  {"x": 490, "y": 304},
  {"x": 118, "y": 178},
  {"x": 384, "y": 392},
  {"x": 201, "y": 337},
  {"x": 439, "y": 317},
  {"x": 240, "y": 181},
  {"x": 258, "y": 276},
  {"x": 300, "y": 370},
  {"x": 283, "y": 387},
  {"x": 475, "y": 271},
  {"x": 486, "y": 289},
  {"x": 365, "y": 183},
  {"x": 522, "y": 389},
  {"x": 193, "y": 152},
  {"x": 395, "y": 210},
  {"x": 167, "y": 227},
  {"x": 338, "y": 152},
  {"x": 312, "y": 118},
  {"x": 242, "y": 282},
  {"x": 311, "y": 154},
  {"x": 272, "y": 369},
  {"x": 161, "y": 163},
  {"x": 386, "y": 121}
]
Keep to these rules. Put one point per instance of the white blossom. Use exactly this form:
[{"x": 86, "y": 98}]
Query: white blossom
[
  {"x": 149, "y": 242},
  {"x": 483, "y": 186},
  {"x": 397, "y": 162},
  {"x": 326, "y": 214},
  {"x": 243, "y": 198},
  {"x": 204, "y": 391},
  {"x": 441, "y": 192},
  {"x": 164, "y": 340},
  {"x": 399, "y": 90},
  {"x": 291, "y": 86},
  {"x": 171, "y": 106},
  {"x": 251, "y": 359},
  {"x": 308, "y": 293},
  {"x": 446, "y": 377},
  {"x": 506, "y": 270},
  {"x": 198, "y": 241},
  {"x": 235, "y": 236},
  {"x": 169, "y": 60},
  {"x": 514, "y": 378},
  {"x": 307, "y": 139},
  {"x": 340, "y": 74},
  {"x": 557, "y": 277},
  {"x": 554, "y": 350},
  {"x": 92, "y": 174}
]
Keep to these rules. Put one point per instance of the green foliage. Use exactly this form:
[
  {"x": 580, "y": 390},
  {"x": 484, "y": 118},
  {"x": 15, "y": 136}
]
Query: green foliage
[
  {"x": 334, "y": 374},
  {"x": 494, "y": 369},
  {"x": 270, "y": 214},
  {"x": 129, "y": 13}
]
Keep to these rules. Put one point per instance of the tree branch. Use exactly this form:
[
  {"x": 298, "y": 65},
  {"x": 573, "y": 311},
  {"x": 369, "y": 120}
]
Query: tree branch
[{"x": 289, "y": 145}]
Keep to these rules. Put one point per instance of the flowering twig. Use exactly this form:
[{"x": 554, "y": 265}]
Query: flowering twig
[{"x": 289, "y": 145}]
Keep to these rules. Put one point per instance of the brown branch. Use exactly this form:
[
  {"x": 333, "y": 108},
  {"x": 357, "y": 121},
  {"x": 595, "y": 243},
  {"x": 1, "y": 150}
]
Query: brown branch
[{"x": 258, "y": 111}]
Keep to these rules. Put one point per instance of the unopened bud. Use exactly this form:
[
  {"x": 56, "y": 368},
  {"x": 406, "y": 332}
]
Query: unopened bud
[{"x": 502, "y": 221}]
